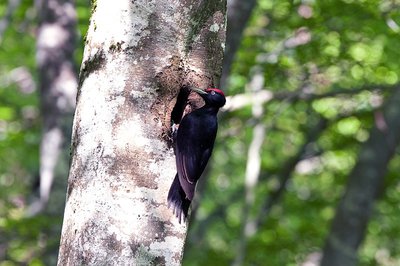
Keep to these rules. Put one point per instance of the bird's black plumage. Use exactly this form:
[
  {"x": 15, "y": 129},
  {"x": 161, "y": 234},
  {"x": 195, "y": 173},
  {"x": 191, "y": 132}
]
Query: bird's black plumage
[{"x": 194, "y": 143}]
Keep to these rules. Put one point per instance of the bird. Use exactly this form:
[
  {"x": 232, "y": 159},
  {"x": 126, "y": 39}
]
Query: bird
[{"x": 194, "y": 142}]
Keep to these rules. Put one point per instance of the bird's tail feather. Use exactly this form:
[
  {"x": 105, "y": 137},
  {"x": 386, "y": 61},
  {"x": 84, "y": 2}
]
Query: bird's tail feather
[{"x": 178, "y": 201}]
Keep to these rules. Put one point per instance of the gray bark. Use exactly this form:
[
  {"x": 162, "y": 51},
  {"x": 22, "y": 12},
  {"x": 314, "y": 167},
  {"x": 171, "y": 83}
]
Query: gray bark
[
  {"x": 365, "y": 182},
  {"x": 137, "y": 56},
  {"x": 58, "y": 84}
]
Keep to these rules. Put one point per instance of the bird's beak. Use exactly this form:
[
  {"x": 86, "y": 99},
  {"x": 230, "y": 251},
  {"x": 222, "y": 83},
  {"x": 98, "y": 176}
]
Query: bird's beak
[{"x": 198, "y": 90}]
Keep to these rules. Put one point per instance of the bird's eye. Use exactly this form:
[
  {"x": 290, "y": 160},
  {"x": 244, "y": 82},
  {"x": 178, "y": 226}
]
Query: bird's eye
[{"x": 212, "y": 92}]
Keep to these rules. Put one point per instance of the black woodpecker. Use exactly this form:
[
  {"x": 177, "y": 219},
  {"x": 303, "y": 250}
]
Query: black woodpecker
[{"x": 194, "y": 143}]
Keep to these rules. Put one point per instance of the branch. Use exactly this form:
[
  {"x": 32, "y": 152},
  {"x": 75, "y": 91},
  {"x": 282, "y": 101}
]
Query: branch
[
  {"x": 336, "y": 91},
  {"x": 240, "y": 101},
  {"x": 22, "y": 77}
]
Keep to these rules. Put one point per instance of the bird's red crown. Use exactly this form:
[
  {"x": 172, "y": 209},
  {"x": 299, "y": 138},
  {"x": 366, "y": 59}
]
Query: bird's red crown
[{"x": 216, "y": 90}]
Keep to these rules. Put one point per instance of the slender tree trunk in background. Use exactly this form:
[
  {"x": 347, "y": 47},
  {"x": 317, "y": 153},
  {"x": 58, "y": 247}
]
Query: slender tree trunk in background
[
  {"x": 365, "y": 181},
  {"x": 137, "y": 56},
  {"x": 7, "y": 17},
  {"x": 58, "y": 84},
  {"x": 253, "y": 168},
  {"x": 239, "y": 12}
]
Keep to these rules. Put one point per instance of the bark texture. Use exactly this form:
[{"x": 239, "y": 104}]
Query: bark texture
[
  {"x": 365, "y": 181},
  {"x": 58, "y": 85},
  {"x": 138, "y": 54}
]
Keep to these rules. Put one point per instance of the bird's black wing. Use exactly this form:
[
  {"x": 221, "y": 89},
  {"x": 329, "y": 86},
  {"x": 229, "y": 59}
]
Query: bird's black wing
[{"x": 192, "y": 152}]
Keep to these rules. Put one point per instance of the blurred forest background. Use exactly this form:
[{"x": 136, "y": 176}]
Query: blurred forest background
[{"x": 307, "y": 146}]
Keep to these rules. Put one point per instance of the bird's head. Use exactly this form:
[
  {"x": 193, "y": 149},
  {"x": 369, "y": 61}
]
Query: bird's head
[{"x": 212, "y": 96}]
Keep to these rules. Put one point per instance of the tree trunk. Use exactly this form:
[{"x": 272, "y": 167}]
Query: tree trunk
[
  {"x": 239, "y": 12},
  {"x": 365, "y": 181},
  {"x": 58, "y": 81},
  {"x": 6, "y": 20},
  {"x": 253, "y": 168},
  {"x": 138, "y": 54}
]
